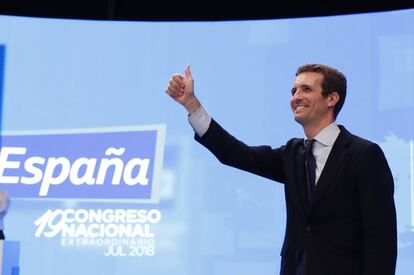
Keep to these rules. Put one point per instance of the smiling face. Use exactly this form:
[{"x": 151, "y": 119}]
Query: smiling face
[{"x": 310, "y": 107}]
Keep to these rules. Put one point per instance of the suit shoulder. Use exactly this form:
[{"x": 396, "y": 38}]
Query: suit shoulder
[
  {"x": 294, "y": 142},
  {"x": 364, "y": 146},
  {"x": 361, "y": 142},
  {"x": 355, "y": 140}
]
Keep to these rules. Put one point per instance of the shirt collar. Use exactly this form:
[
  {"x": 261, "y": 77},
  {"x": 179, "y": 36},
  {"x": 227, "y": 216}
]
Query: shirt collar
[{"x": 328, "y": 135}]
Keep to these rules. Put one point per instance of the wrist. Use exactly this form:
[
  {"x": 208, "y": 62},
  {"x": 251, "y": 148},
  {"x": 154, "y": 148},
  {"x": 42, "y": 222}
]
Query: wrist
[{"x": 192, "y": 106}]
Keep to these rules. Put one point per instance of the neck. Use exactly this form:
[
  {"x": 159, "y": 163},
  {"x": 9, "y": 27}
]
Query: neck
[{"x": 312, "y": 130}]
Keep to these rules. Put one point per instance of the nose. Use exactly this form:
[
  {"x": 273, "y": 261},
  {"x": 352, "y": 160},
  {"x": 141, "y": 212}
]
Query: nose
[{"x": 297, "y": 95}]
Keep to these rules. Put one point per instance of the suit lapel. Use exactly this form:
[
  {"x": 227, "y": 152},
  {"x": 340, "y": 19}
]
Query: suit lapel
[
  {"x": 333, "y": 164},
  {"x": 300, "y": 177}
]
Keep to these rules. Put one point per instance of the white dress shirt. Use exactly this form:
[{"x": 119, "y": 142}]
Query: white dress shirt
[
  {"x": 200, "y": 121},
  {"x": 323, "y": 146}
]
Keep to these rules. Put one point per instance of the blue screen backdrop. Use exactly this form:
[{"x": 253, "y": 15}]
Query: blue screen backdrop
[{"x": 71, "y": 75}]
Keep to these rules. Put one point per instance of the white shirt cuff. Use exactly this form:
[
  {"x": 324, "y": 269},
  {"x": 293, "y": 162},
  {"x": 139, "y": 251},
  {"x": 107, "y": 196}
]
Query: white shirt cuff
[{"x": 200, "y": 121}]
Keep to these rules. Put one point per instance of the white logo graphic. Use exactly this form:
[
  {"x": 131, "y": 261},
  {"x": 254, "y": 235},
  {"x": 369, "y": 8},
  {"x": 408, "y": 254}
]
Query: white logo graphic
[
  {"x": 125, "y": 232},
  {"x": 56, "y": 170}
]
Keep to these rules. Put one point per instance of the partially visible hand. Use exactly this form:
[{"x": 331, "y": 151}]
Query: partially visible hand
[{"x": 181, "y": 89}]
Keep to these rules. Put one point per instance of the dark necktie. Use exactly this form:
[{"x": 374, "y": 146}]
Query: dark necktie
[{"x": 310, "y": 164}]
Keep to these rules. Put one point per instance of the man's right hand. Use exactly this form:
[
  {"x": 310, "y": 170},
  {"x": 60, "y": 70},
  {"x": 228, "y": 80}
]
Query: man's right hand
[{"x": 181, "y": 89}]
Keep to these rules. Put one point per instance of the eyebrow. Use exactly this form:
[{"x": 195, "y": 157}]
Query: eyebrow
[{"x": 300, "y": 86}]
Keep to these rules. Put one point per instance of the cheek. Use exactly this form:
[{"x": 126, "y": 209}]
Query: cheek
[
  {"x": 291, "y": 102},
  {"x": 321, "y": 106}
]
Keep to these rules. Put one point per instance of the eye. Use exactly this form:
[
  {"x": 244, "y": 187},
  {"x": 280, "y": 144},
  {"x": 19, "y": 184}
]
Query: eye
[
  {"x": 293, "y": 91},
  {"x": 307, "y": 89}
]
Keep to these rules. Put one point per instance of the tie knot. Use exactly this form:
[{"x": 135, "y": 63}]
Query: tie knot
[{"x": 309, "y": 144}]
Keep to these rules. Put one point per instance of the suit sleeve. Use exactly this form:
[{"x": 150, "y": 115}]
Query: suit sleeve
[
  {"x": 261, "y": 160},
  {"x": 378, "y": 216}
]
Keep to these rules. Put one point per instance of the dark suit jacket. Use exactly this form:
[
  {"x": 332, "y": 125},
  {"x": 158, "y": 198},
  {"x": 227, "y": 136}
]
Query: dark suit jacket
[{"x": 350, "y": 228}]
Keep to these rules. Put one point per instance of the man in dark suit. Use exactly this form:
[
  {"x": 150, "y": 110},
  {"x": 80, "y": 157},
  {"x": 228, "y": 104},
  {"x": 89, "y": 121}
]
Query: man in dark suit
[{"x": 338, "y": 187}]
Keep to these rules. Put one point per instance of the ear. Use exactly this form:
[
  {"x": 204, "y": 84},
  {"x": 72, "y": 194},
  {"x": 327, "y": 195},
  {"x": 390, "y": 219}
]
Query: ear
[{"x": 333, "y": 98}]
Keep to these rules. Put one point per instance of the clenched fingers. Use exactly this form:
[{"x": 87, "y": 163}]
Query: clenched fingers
[{"x": 175, "y": 86}]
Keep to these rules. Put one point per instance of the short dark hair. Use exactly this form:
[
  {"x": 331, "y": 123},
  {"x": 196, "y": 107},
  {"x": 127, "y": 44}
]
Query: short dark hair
[{"x": 333, "y": 81}]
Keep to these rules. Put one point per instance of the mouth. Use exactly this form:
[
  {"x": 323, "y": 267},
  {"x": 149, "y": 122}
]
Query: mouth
[{"x": 298, "y": 108}]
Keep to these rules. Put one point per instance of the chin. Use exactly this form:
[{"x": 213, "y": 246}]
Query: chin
[{"x": 300, "y": 120}]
